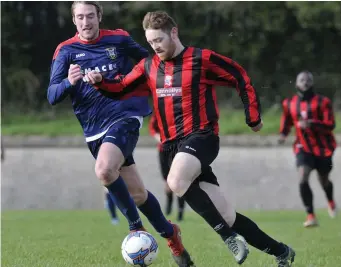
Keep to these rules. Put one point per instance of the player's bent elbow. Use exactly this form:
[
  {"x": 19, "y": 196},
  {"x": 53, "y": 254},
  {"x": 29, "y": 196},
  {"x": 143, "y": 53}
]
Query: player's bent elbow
[{"x": 52, "y": 101}]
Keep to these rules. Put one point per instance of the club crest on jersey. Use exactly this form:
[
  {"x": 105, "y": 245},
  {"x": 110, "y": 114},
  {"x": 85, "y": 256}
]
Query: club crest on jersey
[
  {"x": 111, "y": 52},
  {"x": 168, "y": 80}
]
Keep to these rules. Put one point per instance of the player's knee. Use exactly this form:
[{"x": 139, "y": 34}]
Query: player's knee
[
  {"x": 173, "y": 183},
  {"x": 105, "y": 174},
  {"x": 304, "y": 173},
  {"x": 303, "y": 181},
  {"x": 177, "y": 185}
]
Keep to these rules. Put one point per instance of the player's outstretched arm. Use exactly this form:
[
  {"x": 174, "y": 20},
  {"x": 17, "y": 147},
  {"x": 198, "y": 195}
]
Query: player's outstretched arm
[
  {"x": 62, "y": 78},
  {"x": 119, "y": 84},
  {"x": 224, "y": 71},
  {"x": 327, "y": 124},
  {"x": 286, "y": 122}
]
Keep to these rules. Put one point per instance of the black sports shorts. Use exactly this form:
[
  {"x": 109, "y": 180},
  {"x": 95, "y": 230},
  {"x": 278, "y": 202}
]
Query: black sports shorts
[
  {"x": 322, "y": 165},
  {"x": 164, "y": 163},
  {"x": 204, "y": 145}
]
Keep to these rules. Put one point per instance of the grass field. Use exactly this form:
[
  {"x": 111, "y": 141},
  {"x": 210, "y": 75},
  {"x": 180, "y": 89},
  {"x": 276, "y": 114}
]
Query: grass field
[
  {"x": 231, "y": 122},
  {"x": 86, "y": 238}
]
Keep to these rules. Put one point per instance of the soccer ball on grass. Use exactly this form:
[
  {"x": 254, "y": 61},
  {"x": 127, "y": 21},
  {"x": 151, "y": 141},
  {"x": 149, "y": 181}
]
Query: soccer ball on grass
[{"x": 139, "y": 248}]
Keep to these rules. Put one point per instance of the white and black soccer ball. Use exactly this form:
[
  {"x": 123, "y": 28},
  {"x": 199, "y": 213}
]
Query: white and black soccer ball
[{"x": 139, "y": 248}]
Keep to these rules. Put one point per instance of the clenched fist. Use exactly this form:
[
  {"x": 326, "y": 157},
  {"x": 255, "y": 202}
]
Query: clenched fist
[
  {"x": 75, "y": 74},
  {"x": 92, "y": 77}
]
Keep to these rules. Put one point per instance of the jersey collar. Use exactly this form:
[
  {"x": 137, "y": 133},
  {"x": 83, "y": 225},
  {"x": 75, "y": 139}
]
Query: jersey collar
[{"x": 89, "y": 42}]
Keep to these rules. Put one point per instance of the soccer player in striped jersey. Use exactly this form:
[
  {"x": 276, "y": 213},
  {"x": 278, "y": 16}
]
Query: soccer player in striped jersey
[
  {"x": 182, "y": 80},
  {"x": 111, "y": 127},
  {"x": 312, "y": 116}
]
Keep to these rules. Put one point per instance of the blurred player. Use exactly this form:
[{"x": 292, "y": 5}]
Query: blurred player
[
  {"x": 182, "y": 81},
  {"x": 165, "y": 166},
  {"x": 111, "y": 127},
  {"x": 312, "y": 116},
  {"x": 110, "y": 205}
]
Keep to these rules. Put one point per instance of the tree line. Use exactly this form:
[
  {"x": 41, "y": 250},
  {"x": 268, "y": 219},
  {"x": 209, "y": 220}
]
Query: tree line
[{"x": 273, "y": 41}]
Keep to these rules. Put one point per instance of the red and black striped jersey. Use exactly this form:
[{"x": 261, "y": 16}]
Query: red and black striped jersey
[
  {"x": 317, "y": 138},
  {"x": 183, "y": 90}
]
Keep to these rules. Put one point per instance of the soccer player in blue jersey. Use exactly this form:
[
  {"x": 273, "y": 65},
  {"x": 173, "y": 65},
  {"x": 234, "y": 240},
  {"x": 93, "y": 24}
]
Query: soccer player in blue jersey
[{"x": 111, "y": 127}]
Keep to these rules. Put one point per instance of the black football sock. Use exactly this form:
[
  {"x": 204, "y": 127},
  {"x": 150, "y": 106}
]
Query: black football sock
[
  {"x": 256, "y": 237},
  {"x": 181, "y": 208},
  {"x": 328, "y": 189},
  {"x": 307, "y": 197},
  {"x": 169, "y": 202},
  {"x": 201, "y": 203}
]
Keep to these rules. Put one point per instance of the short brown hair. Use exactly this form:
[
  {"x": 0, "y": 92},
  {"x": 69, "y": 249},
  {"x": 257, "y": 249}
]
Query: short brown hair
[
  {"x": 158, "y": 20},
  {"x": 96, "y": 4}
]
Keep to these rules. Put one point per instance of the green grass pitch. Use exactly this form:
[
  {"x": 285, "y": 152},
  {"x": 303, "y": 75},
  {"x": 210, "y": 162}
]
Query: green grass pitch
[{"x": 86, "y": 238}]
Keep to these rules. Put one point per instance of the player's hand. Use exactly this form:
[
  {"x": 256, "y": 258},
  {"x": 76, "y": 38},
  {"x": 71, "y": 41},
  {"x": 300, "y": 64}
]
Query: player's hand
[
  {"x": 258, "y": 127},
  {"x": 75, "y": 74},
  {"x": 303, "y": 124},
  {"x": 93, "y": 77},
  {"x": 281, "y": 139}
]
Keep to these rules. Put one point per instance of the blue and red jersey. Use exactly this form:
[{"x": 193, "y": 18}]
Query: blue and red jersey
[{"x": 110, "y": 54}]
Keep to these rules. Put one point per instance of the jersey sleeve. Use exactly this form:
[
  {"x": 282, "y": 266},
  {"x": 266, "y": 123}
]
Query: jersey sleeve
[
  {"x": 124, "y": 84},
  {"x": 223, "y": 71},
  {"x": 286, "y": 119},
  {"x": 327, "y": 124},
  {"x": 135, "y": 50},
  {"x": 59, "y": 86}
]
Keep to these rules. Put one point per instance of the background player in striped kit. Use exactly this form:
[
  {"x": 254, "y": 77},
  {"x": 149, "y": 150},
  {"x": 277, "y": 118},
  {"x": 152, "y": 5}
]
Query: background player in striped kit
[
  {"x": 111, "y": 127},
  {"x": 164, "y": 163},
  {"x": 182, "y": 80},
  {"x": 312, "y": 116}
]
